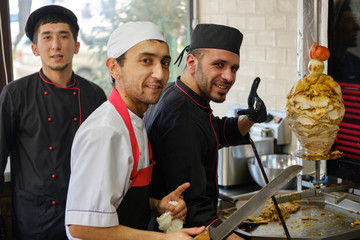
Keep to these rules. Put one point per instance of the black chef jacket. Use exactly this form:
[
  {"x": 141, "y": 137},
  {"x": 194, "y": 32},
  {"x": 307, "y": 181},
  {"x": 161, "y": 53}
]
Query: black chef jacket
[
  {"x": 185, "y": 138},
  {"x": 37, "y": 124}
]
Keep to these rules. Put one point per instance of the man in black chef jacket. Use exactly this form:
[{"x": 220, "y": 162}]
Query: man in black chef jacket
[
  {"x": 39, "y": 115},
  {"x": 185, "y": 135}
]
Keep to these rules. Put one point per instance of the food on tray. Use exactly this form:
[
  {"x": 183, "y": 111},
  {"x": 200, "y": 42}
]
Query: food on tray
[
  {"x": 355, "y": 224},
  {"x": 315, "y": 107},
  {"x": 253, "y": 219},
  {"x": 286, "y": 209},
  {"x": 270, "y": 214}
]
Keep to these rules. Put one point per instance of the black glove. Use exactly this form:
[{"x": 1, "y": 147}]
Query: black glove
[{"x": 257, "y": 109}]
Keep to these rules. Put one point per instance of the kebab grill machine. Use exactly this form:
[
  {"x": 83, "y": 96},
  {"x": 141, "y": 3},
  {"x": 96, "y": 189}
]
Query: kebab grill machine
[{"x": 328, "y": 209}]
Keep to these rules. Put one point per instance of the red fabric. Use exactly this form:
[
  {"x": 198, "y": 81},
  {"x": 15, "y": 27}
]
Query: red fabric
[
  {"x": 120, "y": 106},
  {"x": 143, "y": 176}
]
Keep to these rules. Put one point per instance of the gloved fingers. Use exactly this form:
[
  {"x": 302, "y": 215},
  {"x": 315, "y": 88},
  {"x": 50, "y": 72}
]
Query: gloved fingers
[
  {"x": 261, "y": 114},
  {"x": 253, "y": 93},
  {"x": 257, "y": 110},
  {"x": 243, "y": 112},
  {"x": 257, "y": 104},
  {"x": 255, "y": 85}
]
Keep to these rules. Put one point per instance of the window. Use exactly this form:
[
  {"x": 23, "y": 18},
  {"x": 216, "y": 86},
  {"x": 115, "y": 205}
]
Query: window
[
  {"x": 97, "y": 19},
  {"x": 344, "y": 45}
]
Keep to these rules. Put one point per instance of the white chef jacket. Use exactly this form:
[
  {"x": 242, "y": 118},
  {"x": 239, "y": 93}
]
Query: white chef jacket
[{"x": 101, "y": 165}]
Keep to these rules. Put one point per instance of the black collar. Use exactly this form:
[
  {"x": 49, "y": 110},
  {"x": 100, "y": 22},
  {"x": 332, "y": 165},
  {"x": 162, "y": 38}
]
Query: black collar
[
  {"x": 192, "y": 95},
  {"x": 47, "y": 80}
]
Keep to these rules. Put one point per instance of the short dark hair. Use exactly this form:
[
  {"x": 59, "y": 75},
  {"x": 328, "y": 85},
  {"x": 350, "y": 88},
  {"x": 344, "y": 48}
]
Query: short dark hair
[
  {"x": 198, "y": 53},
  {"x": 54, "y": 19},
  {"x": 120, "y": 60}
]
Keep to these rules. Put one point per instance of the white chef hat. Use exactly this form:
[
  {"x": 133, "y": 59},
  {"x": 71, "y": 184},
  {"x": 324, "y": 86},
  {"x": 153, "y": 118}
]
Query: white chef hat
[{"x": 129, "y": 34}]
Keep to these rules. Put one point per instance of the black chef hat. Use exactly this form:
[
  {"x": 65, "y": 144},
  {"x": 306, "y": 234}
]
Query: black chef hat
[
  {"x": 49, "y": 10},
  {"x": 214, "y": 36}
]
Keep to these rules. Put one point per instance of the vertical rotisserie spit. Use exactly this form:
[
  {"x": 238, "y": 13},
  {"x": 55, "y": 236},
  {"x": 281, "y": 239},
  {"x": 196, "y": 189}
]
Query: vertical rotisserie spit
[{"x": 315, "y": 107}]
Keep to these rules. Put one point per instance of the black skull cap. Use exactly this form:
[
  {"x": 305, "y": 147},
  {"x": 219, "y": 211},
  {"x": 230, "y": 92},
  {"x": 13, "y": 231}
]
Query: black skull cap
[
  {"x": 49, "y": 10},
  {"x": 216, "y": 36}
]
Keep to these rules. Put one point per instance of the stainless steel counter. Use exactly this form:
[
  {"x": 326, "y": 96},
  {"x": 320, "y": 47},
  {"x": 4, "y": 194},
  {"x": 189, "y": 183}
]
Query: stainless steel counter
[{"x": 235, "y": 192}]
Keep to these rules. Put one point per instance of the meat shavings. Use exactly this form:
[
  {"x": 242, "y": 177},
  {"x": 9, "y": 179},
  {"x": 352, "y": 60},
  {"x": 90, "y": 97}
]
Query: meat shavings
[
  {"x": 307, "y": 218},
  {"x": 355, "y": 224},
  {"x": 315, "y": 108},
  {"x": 270, "y": 214}
]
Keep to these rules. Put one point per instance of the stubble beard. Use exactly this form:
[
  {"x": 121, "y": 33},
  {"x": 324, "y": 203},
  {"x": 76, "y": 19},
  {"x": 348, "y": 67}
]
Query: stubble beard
[
  {"x": 59, "y": 68},
  {"x": 205, "y": 86}
]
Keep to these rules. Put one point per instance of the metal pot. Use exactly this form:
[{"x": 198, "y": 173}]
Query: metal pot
[
  {"x": 233, "y": 161},
  {"x": 273, "y": 164}
]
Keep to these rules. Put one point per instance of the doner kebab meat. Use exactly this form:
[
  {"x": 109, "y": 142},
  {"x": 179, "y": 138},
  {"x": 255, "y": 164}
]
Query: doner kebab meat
[{"x": 315, "y": 106}]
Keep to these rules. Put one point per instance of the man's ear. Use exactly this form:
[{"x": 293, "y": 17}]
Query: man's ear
[
  {"x": 34, "y": 49},
  {"x": 191, "y": 62},
  {"x": 113, "y": 67},
  {"x": 77, "y": 47}
]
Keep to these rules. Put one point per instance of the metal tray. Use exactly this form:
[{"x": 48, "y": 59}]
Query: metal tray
[{"x": 327, "y": 221}]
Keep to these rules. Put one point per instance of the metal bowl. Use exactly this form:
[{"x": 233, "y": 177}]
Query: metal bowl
[{"x": 273, "y": 164}]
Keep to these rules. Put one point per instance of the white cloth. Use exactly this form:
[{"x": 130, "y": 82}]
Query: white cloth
[
  {"x": 101, "y": 165},
  {"x": 129, "y": 34},
  {"x": 167, "y": 224}
]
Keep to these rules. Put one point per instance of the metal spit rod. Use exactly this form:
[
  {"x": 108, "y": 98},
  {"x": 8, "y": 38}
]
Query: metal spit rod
[
  {"x": 267, "y": 181},
  {"x": 314, "y": 192}
]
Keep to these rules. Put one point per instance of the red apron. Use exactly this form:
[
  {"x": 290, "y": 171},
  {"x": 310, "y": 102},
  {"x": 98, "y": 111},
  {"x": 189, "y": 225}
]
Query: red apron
[{"x": 134, "y": 209}]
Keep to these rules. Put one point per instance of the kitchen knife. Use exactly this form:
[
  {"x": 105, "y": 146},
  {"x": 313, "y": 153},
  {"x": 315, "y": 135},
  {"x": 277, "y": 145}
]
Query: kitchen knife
[{"x": 221, "y": 231}]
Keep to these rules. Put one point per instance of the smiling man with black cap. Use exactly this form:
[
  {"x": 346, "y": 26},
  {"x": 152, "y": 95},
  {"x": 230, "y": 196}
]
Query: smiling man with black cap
[
  {"x": 39, "y": 115},
  {"x": 184, "y": 133}
]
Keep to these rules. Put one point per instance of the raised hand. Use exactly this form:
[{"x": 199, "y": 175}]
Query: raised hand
[{"x": 257, "y": 109}]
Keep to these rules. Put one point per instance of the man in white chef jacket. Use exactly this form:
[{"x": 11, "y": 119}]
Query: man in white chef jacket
[{"x": 111, "y": 161}]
